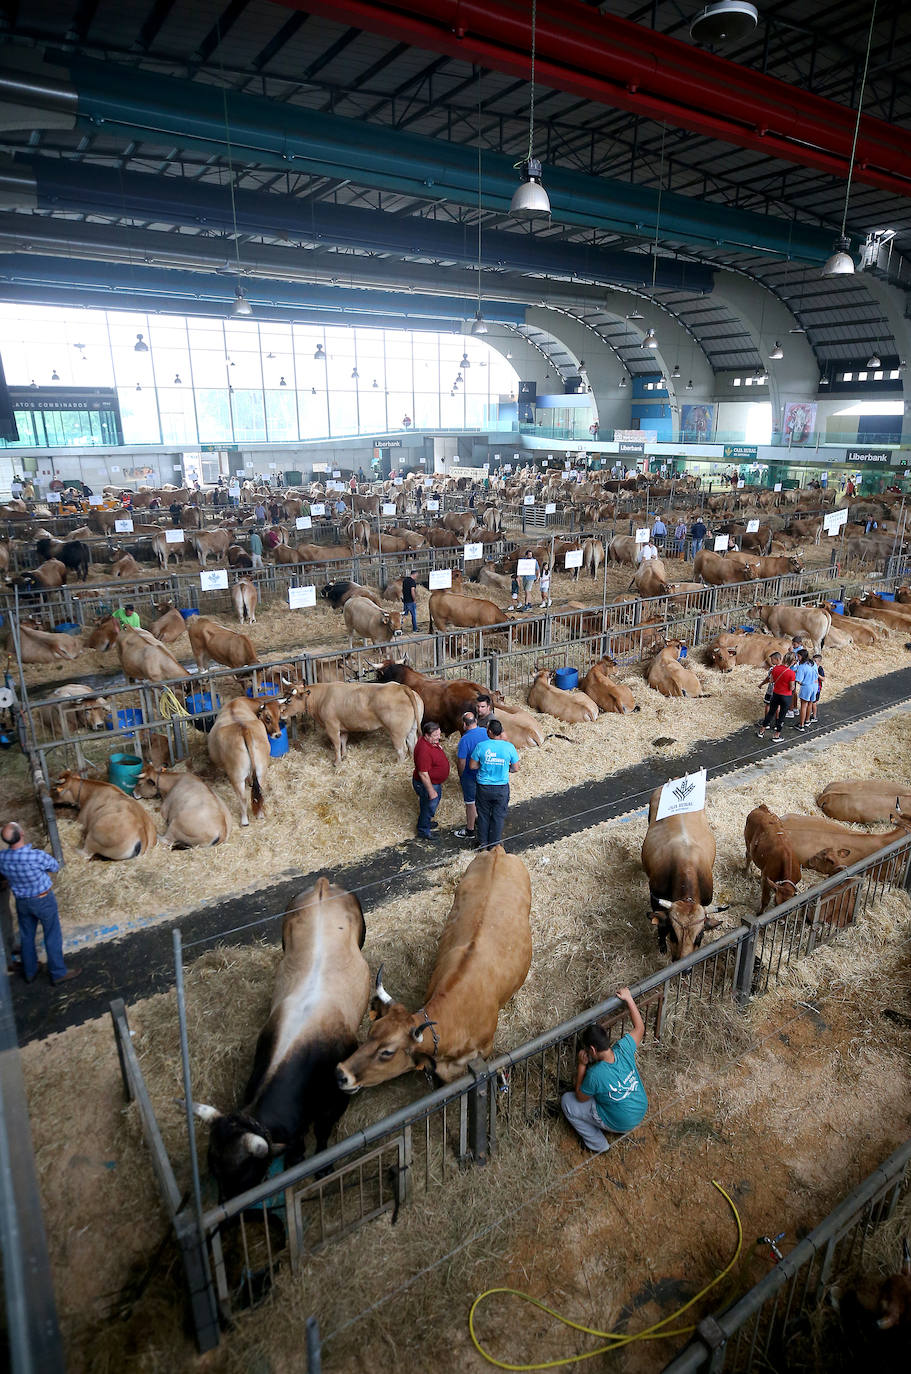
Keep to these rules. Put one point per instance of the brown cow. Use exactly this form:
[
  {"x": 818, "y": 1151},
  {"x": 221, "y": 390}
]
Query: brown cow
[
  {"x": 574, "y": 707},
  {"x": 318, "y": 553},
  {"x": 678, "y": 855},
  {"x": 444, "y": 702},
  {"x": 215, "y": 643},
  {"x": 238, "y": 743},
  {"x": 238, "y": 557},
  {"x": 126, "y": 566},
  {"x": 732, "y": 650},
  {"x": 194, "y": 815},
  {"x": 449, "y": 610},
  {"x": 812, "y": 622},
  {"x": 889, "y": 619},
  {"x": 343, "y": 708},
  {"x": 165, "y": 549},
  {"x": 39, "y": 646},
  {"x": 770, "y": 849},
  {"x": 114, "y": 826},
  {"x": 50, "y": 574},
  {"x": 365, "y": 620},
  {"x": 169, "y": 626},
  {"x": 214, "y": 542},
  {"x": 716, "y": 570},
  {"x": 826, "y": 847},
  {"x": 483, "y": 959},
  {"x": 143, "y": 657},
  {"x": 621, "y": 549},
  {"x": 670, "y": 676},
  {"x": 607, "y": 694},
  {"x": 650, "y": 578},
  {"x": 864, "y": 800},
  {"x": 519, "y": 728},
  {"x": 244, "y": 597},
  {"x": 77, "y": 705},
  {"x": 778, "y": 567},
  {"x": 862, "y": 632}
]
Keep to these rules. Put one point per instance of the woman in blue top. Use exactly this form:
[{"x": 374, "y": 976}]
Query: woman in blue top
[
  {"x": 807, "y": 686},
  {"x": 608, "y": 1095}
]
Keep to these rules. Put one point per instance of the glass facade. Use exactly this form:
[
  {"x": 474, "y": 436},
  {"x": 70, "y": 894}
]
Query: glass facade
[{"x": 204, "y": 381}]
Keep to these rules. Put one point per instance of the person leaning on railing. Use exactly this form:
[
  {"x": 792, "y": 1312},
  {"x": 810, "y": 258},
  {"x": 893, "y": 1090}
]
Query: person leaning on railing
[{"x": 608, "y": 1095}]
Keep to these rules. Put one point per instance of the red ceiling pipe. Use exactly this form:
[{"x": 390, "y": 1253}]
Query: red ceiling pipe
[{"x": 620, "y": 64}]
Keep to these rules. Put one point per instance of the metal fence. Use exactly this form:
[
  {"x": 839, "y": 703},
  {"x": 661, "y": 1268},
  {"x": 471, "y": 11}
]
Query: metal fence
[
  {"x": 376, "y": 1171},
  {"x": 758, "y": 1331}
]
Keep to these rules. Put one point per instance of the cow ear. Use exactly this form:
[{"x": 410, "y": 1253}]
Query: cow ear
[
  {"x": 204, "y": 1112},
  {"x": 655, "y": 920},
  {"x": 425, "y": 1061}
]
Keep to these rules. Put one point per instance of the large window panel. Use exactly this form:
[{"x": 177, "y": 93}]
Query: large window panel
[
  {"x": 281, "y": 415},
  {"x": 313, "y": 410},
  {"x": 249, "y": 416},
  {"x": 139, "y": 415},
  {"x": 178, "y": 415},
  {"x": 214, "y": 416},
  {"x": 343, "y": 416}
]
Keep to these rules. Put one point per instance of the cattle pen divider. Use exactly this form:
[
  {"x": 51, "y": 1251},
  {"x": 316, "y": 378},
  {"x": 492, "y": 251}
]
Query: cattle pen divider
[{"x": 377, "y": 1170}]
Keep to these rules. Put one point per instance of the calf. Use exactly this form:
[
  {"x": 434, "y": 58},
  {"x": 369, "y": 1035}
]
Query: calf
[
  {"x": 238, "y": 743},
  {"x": 667, "y": 674},
  {"x": 770, "y": 849},
  {"x": 365, "y": 620},
  {"x": 244, "y": 596},
  {"x": 214, "y": 643},
  {"x": 607, "y": 694},
  {"x": 573, "y": 707}
]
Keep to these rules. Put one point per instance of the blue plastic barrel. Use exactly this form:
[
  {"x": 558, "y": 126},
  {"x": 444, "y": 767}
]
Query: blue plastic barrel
[
  {"x": 67, "y": 627},
  {"x": 887, "y": 596},
  {"x": 279, "y": 746},
  {"x": 187, "y": 611},
  {"x": 126, "y": 716},
  {"x": 266, "y": 689},
  {"x": 200, "y": 702},
  {"x": 566, "y": 679},
  {"x": 838, "y": 607},
  {"x": 123, "y": 770}
]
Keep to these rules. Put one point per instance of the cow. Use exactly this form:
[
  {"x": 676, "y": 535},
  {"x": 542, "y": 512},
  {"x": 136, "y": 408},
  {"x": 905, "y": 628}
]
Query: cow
[
  {"x": 343, "y": 708},
  {"x": 365, "y": 620},
  {"x": 668, "y": 674},
  {"x": 214, "y": 542},
  {"x": 861, "y": 632},
  {"x": 164, "y": 549},
  {"x": 194, "y": 815},
  {"x": 283, "y": 553},
  {"x": 888, "y": 619},
  {"x": 893, "y": 1301},
  {"x": 142, "y": 657},
  {"x": 650, "y": 578},
  {"x": 621, "y": 549},
  {"x": 238, "y": 743},
  {"x": 169, "y": 625},
  {"x": 75, "y": 555},
  {"x": 191, "y": 518},
  {"x": 238, "y": 557},
  {"x": 40, "y": 646},
  {"x": 103, "y": 634},
  {"x": 126, "y": 566},
  {"x": 717, "y": 571},
  {"x": 449, "y": 610},
  {"x": 77, "y": 705},
  {"x": 735, "y": 650},
  {"x": 444, "y": 702},
  {"x": 826, "y": 847},
  {"x": 880, "y": 604},
  {"x": 460, "y": 522},
  {"x": 114, "y": 826},
  {"x": 322, "y": 987},
  {"x": 573, "y": 707},
  {"x": 778, "y": 567},
  {"x": 608, "y": 695},
  {"x": 155, "y": 749},
  {"x": 317, "y": 553},
  {"x": 337, "y": 593},
  {"x": 678, "y": 855},
  {"x": 50, "y": 574},
  {"x": 483, "y": 959},
  {"x": 215, "y": 643},
  {"x": 488, "y": 576},
  {"x": 244, "y": 597},
  {"x": 811, "y": 622},
  {"x": 770, "y": 849},
  {"x": 864, "y": 800},
  {"x": 519, "y": 728}
]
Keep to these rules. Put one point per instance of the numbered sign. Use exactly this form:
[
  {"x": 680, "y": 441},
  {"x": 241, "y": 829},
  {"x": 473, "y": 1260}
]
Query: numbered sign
[
  {"x": 550, "y": 508},
  {"x": 681, "y": 795},
  {"x": 299, "y": 597},
  {"x": 643, "y": 536},
  {"x": 123, "y": 526},
  {"x": 777, "y": 486},
  {"x": 214, "y": 581},
  {"x": 318, "y": 509},
  {"x": 53, "y": 498},
  {"x": 752, "y": 526},
  {"x": 721, "y": 543},
  {"x": 473, "y": 551},
  {"x": 440, "y": 578},
  {"x": 337, "y": 474},
  {"x": 388, "y": 508},
  {"x": 303, "y": 522},
  {"x": 833, "y": 522},
  {"x": 573, "y": 559},
  {"x": 528, "y": 500},
  {"x": 433, "y": 505},
  {"x": 173, "y": 536},
  {"x": 526, "y": 567}
]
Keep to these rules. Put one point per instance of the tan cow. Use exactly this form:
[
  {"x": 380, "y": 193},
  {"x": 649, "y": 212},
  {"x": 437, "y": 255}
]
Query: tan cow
[
  {"x": 77, "y": 706},
  {"x": 40, "y": 646},
  {"x": 238, "y": 743},
  {"x": 862, "y": 632},
  {"x": 51, "y": 574},
  {"x": 519, "y": 727},
  {"x": 215, "y": 643},
  {"x": 450, "y": 611},
  {"x": 826, "y": 847},
  {"x": 864, "y": 800},
  {"x": 356, "y": 708},
  {"x": 365, "y": 620},
  {"x": 650, "y": 578},
  {"x": 488, "y": 576},
  {"x": 678, "y": 855},
  {"x": 736, "y": 650},
  {"x": 143, "y": 657},
  {"x": 169, "y": 626},
  {"x": 165, "y": 549},
  {"x": 717, "y": 570},
  {"x": 889, "y": 619},
  {"x": 114, "y": 826},
  {"x": 670, "y": 676},
  {"x": 244, "y": 597},
  {"x": 573, "y": 707},
  {"x": 194, "y": 815},
  {"x": 214, "y": 542},
  {"x": 778, "y": 567},
  {"x": 460, "y": 522},
  {"x": 607, "y": 694},
  {"x": 483, "y": 959},
  {"x": 318, "y": 553},
  {"x": 126, "y": 566},
  {"x": 621, "y": 549},
  {"x": 811, "y": 622},
  {"x": 769, "y": 847}
]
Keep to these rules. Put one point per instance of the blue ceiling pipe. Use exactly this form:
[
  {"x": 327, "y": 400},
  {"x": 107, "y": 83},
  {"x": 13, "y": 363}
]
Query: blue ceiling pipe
[
  {"x": 87, "y": 189},
  {"x": 167, "y": 111}
]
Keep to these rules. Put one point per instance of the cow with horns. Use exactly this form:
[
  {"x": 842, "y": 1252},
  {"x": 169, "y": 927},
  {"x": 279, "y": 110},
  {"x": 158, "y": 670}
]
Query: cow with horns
[
  {"x": 321, "y": 992},
  {"x": 678, "y": 855}
]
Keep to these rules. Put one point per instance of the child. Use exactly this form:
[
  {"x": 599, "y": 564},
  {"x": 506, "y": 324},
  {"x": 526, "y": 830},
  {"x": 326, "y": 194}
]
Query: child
[
  {"x": 807, "y": 686},
  {"x": 545, "y": 585},
  {"x": 822, "y": 677},
  {"x": 791, "y": 661},
  {"x": 515, "y": 590}
]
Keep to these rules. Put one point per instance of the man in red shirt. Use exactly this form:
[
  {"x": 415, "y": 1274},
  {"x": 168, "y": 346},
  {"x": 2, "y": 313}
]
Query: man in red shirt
[
  {"x": 782, "y": 680},
  {"x": 431, "y": 769}
]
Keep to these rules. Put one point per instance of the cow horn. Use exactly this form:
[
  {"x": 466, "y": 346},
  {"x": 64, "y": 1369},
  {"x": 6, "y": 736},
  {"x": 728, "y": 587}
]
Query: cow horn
[
  {"x": 255, "y": 1145},
  {"x": 417, "y": 1032},
  {"x": 662, "y": 901},
  {"x": 378, "y": 989},
  {"x": 716, "y": 907},
  {"x": 287, "y": 682},
  {"x": 204, "y": 1112}
]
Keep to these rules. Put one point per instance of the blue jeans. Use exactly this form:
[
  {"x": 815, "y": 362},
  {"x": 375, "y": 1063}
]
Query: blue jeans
[
  {"x": 31, "y": 911},
  {"x": 491, "y": 803},
  {"x": 697, "y": 545},
  {"x": 428, "y": 807},
  {"x": 411, "y": 608}
]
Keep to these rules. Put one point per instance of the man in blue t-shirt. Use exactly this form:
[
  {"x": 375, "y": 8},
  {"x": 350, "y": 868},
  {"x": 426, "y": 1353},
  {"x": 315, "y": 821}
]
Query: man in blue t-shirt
[
  {"x": 472, "y": 735},
  {"x": 608, "y": 1095},
  {"x": 493, "y": 760}
]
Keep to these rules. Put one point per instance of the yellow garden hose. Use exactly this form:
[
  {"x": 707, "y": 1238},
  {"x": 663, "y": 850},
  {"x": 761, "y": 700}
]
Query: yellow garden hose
[
  {"x": 169, "y": 706},
  {"x": 613, "y": 1339}
]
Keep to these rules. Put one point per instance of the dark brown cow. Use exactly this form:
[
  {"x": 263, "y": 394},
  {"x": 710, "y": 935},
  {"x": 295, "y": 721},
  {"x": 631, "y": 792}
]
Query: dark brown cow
[
  {"x": 769, "y": 847},
  {"x": 444, "y": 702}
]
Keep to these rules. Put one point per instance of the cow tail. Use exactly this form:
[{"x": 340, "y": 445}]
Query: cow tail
[
  {"x": 417, "y": 707},
  {"x": 822, "y": 642},
  {"x": 256, "y": 791}
]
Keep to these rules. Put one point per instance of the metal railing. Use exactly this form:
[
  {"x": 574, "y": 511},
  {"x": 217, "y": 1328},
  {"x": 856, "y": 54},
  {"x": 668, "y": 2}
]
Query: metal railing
[{"x": 757, "y": 1330}]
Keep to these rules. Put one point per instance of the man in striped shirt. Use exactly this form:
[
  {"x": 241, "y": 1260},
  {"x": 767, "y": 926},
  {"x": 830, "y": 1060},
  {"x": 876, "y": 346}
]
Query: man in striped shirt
[{"x": 28, "y": 870}]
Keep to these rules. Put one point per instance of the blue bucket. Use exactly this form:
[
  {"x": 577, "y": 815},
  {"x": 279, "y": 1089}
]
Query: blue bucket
[
  {"x": 747, "y": 629},
  {"x": 128, "y": 715},
  {"x": 887, "y": 596},
  {"x": 566, "y": 679},
  {"x": 200, "y": 702},
  {"x": 187, "y": 611},
  {"x": 266, "y": 689},
  {"x": 838, "y": 607},
  {"x": 279, "y": 746},
  {"x": 68, "y": 627}
]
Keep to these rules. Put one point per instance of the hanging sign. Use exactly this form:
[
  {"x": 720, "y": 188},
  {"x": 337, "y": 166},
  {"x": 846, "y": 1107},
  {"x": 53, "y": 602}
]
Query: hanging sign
[
  {"x": 526, "y": 567},
  {"x": 682, "y": 795},
  {"x": 318, "y": 509},
  {"x": 214, "y": 581},
  {"x": 473, "y": 551},
  {"x": 433, "y": 505},
  {"x": 752, "y": 526},
  {"x": 777, "y": 486},
  {"x": 440, "y": 578},
  {"x": 53, "y": 498},
  {"x": 550, "y": 508},
  {"x": 234, "y": 489},
  {"x": 388, "y": 508},
  {"x": 643, "y": 536},
  {"x": 572, "y": 559},
  {"x": 528, "y": 500},
  {"x": 833, "y": 522},
  {"x": 123, "y": 526},
  {"x": 398, "y": 481},
  {"x": 722, "y": 543},
  {"x": 96, "y": 500},
  {"x": 337, "y": 474},
  {"x": 299, "y": 597},
  {"x": 173, "y": 536},
  {"x": 303, "y": 522},
  {"x": 320, "y": 467}
]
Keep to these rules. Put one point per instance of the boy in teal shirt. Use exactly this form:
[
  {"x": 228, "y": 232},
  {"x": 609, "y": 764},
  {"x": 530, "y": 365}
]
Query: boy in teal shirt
[{"x": 608, "y": 1095}]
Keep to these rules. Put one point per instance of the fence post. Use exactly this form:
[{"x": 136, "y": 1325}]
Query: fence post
[
  {"x": 314, "y": 1347},
  {"x": 746, "y": 961},
  {"x": 119, "y": 1013},
  {"x": 478, "y": 1111}
]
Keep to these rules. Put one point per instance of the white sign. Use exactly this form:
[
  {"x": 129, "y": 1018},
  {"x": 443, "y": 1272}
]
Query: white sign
[
  {"x": 486, "y": 467},
  {"x": 123, "y": 526},
  {"x": 96, "y": 500},
  {"x": 833, "y": 522},
  {"x": 440, "y": 578},
  {"x": 303, "y": 522},
  {"x": 526, "y": 567},
  {"x": 682, "y": 795},
  {"x": 496, "y": 457},
  {"x": 752, "y": 526},
  {"x": 318, "y": 508},
  {"x": 214, "y": 581},
  {"x": 528, "y": 500},
  {"x": 721, "y": 543},
  {"x": 573, "y": 558},
  {"x": 398, "y": 481},
  {"x": 337, "y": 474},
  {"x": 299, "y": 597},
  {"x": 173, "y": 536},
  {"x": 320, "y": 467},
  {"x": 234, "y": 489},
  {"x": 433, "y": 505},
  {"x": 550, "y": 508},
  {"x": 473, "y": 551},
  {"x": 53, "y": 498},
  {"x": 388, "y": 508},
  {"x": 777, "y": 486},
  {"x": 643, "y": 536},
  {"x": 507, "y": 467}
]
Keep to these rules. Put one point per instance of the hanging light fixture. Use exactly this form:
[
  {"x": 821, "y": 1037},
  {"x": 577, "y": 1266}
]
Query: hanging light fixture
[
  {"x": 689, "y": 385},
  {"x": 651, "y": 339},
  {"x": 240, "y": 305},
  {"x": 138, "y": 386},
  {"x": 282, "y": 382},
  {"x": 824, "y": 380},
  {"x": 530, "y": 200},
  {"x": 376, "y": 385},
  {"x": 623, "y": 382},
  {"x": 319, "y": 356},
  {"x": 509, "y": 355},
  {"x": 466, "y": 362},
  {"x": 140, "y": 346},
  {"x": 841, "y": 263},
  {"x": 676, "y": 372},
  {"x": 55, "y": 376},
  {"x": 177, "y": 381},
  {"x": 313, "y": 391},
  {"x": 874, "y": 360},
  {"x": 355, "y": 375},
  {"x": 777, "y": 352}
]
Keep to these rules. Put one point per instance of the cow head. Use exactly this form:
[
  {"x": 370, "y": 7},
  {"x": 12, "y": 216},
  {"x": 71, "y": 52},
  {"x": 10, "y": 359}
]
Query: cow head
[
  {"x": 795, "y": 564},
  {"x": 94, "y": 713},
  {"x": 830, "y": 860},
  {"x": 894, "y": 1302},
  {"x": 392, "y": 620},
  {"x": 146, "y": 784},
  {"x": 269, "y": 711},
  {"x": 67, "y": 788},
  {"x": 240, "y": 1148},
  {"x": 725, "y": 659},
  {"x": 683, "y": 923},
  {"x": 399, "y": 1041},
  {"x": 388, "y": 671}
]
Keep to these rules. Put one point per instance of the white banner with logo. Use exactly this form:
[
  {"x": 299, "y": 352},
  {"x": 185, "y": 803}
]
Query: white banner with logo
[
  {"x": 173, "y": 536},
  {"x": 123, "y": 526},
  {"x": 440, "y": 579},
  {"x": 573, "y": 559},
  {"x": 473, "y": 551},
  {"x": 722, "y": 542},
  {"x": 214, "y": 581},
  {"x": 298, "y": 597},
  {"x": 752, "y": 526},
  {"x": 833, "y": 522},
  {"x": 643, "y": 536},
  {"x": 303, "y": 522},
  {"x": 682, "y": 795}
]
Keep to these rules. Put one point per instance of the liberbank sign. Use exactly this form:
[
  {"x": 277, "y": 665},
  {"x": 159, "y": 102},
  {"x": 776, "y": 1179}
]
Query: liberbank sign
[{"x": 884, "y": 456}]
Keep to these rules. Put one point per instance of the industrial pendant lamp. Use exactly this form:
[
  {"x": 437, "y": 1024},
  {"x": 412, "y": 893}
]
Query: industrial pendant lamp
[
  {"x": 319, "y": 356},
  {"x": 777, "y": 352},
  {"x": 676, "y": 372},
  {"x": 530, "y": 200},
  {"x": 623, "y": 382},
  {"x": 689, "y": 385},
  {"x": 651, "y": 339},
  {"x": 466, "y": 362},
  {"x": 240, "y": 305},
  {"x": 478, "y": 324},
  {"x": 874, "y": 360},
  {"x": 140, "y": 346},
  {"x": 841, "y": 263}
]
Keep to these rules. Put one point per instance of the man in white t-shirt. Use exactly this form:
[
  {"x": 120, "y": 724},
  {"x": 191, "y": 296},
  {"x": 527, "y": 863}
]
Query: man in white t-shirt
[{"x": 649, "y": 552}]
